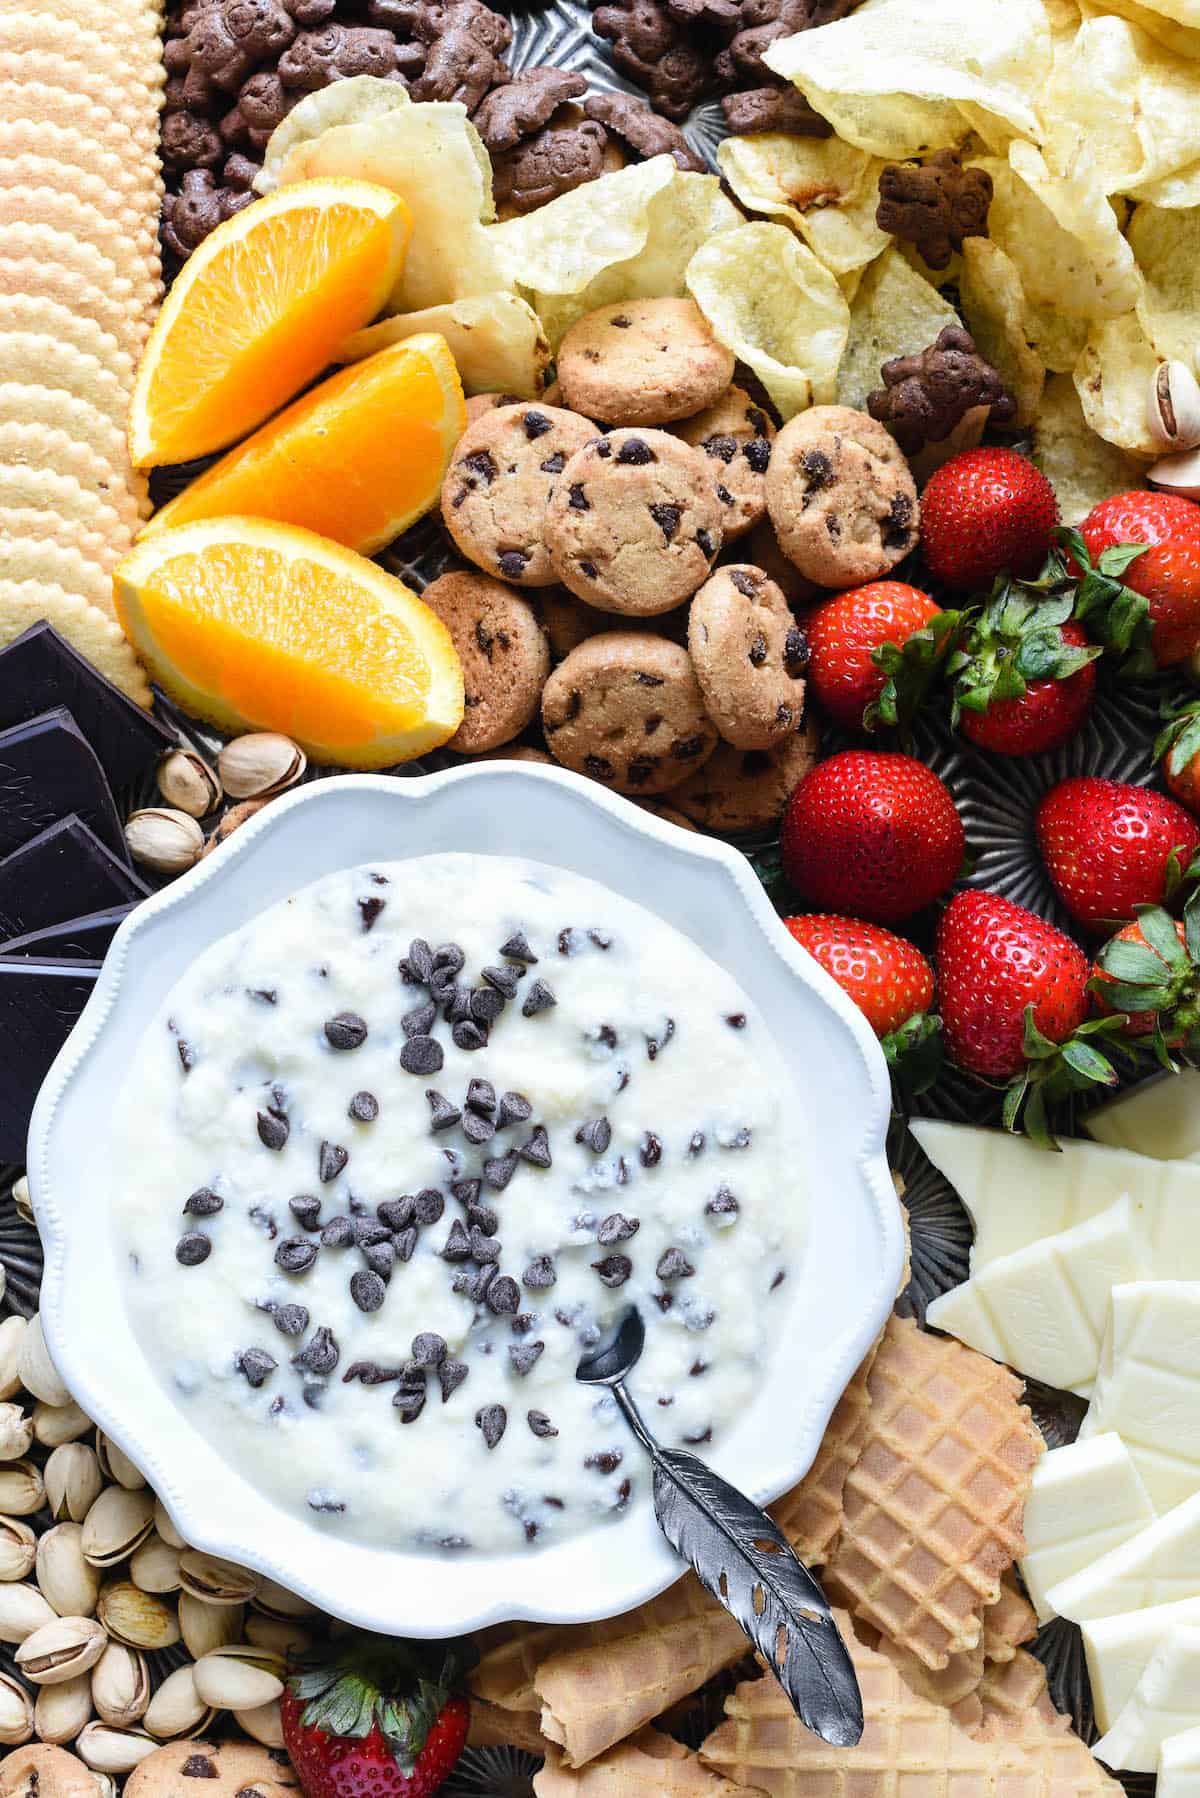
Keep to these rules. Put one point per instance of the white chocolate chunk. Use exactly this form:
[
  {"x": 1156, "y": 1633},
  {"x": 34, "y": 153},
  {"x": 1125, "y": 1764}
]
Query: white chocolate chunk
[
  {"x": 1179, "y": 1765},
  {"x": 1148, "y": 1384},
  {"x": 1160, "y": 1118},
  {"x": 1085, "y": 1499},
  {"x": 1160, "y": 1565},
  {"x": 1043, "y": 1308},
  {"x": 1165, "y": 1702},
  {"x": 1119, "y": 1649}
]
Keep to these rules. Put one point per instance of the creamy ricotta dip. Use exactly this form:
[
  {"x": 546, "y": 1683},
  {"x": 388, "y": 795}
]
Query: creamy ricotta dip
[{"x": 393, "y": 1155}]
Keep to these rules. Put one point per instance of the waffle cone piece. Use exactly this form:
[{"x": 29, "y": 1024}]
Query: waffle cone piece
[
  {"x": 650, "y": 1763},
  {"x": 491, "y": 1727},
  {"x": 810, "y": 1515},
  {"x": 934, "y": 1503}
]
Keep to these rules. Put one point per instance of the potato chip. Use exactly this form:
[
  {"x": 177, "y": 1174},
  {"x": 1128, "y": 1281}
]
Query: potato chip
[
  {"x": 1089, "y": 276},
  {"x": 1167, "y": 247},
  {"x": 892, "y": 76},
  {"x": 778, "y": 308},
  {"x": 993, "y": 304},
  {"x": 628, "y": 235},
  {"x": 348, "y": 102},
  {"x": 432, "y": 155},
  {"x": 827, "y": 190},
  {"x": 895, "y": 313},
  {"x": 1182, "y": 39},
  {"x": 495, "y": 339},
  {"x": 1179, "y": 12},
  {"x": 1081, "y": 467},
  {"x": 1111, "y": 379},
  {"x": 1058, "y": 337}
]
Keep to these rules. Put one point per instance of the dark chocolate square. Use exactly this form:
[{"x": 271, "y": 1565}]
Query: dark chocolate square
[
  {"x": 48, "y": 771},
  {"x": 65, "y": 872},
  {"x": 77, "y": 939},
  {"x": 40, "y": 1003},
  {"x": 40, "y": 670}
]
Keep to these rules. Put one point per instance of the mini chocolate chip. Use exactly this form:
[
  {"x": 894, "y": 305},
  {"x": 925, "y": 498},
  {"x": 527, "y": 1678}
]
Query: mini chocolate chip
[
  {"x": 699, "y": 1436},
  {"x": 538, "y": 998},
  {"x": 540, "y": 1424},
  {"x": 192, "y": 1248},
  {"x": 514, "y": 1109},
  {"x": 367, "y": 1289},
  {"x": 606, "y": 1461},
  {"x": 504, "y": 1296},
  {"x": 305, "y": 1209},
  {"x": 370, "y": 1373},
  {"x": 331, "y": 1159},
  {"x": 457, "y": 1246},
  {"x": 409, "y": 1401},
  {"x": 614, "y": 1270},
  {"x": 664, "y": 1300},
  {"x": 451, "y": 1375},
  {"x": 899, "y": 521},
  {"x": 720, "y": 447},
  {"x": 419, "y": 1021},
  {"x": 696, "y": 1143},
  {"x": 421, "y": 1055},
  {"x": 443, "y": 985},
  {"x": 673, "y": 1264},
  {"x": 368, "y": 911},
  {"x": 396, "y": 1214},
  {"x": 667, "y": 518},
  {"x": 817, "y": 469},
  {"x": 595, "y": 1134},
  {"x": 524, "y": 1356},
  {"x": 482, "y": 1217},
  {"x": 364, "y": 1107},
  {"x": 428, "y": 1349},
  {"x": 405, "y": 1242},
  {"x": 478, "y": 1129},
  {"x": 493, "y": 1421},
  {"x": 370, "y": 1230},
  {"x": 512, "y": 563},
  {"x": 747, "y": 586},
  {"x": 517, "y": 948},
  {"x": 484, "y": 1005},
  {"x": 498, "y": 1171},
  {"x": 796, "y": 651},
  {"x": 468, "y": 1036},
  {"x": 419, "y": 961},
  {"x": 296, "y": 1254},
  {"x": 380, "y": 1258},
  {"x": 540, "y": 1274},
  {"x": 451, "y": 956},
  {"x": 481, "y": 464},
  {"x": 601, "y": 447},
  {"x": 705, "y": 543},
  {"x": 483, "y": 1247},
  {"x": 780, "y": 1277},
  {"x": 617, "y": 1228},
  {"x": 466, "y": 1191},
  {"x": 577, "y": 498},
  {"x": 589, "y": 569},
  {"x": 204, "y": 1202},
  {"x": 187, "y": 1055},
  {"x": 290, "y": 1320},
  {"x": 536, "y": 1150},
  {"x": 724, "y": 495},
  {"x": 622, "y": 1172},
  {"x": 536, "y": 425},
  {"x": 758, "y": 454},
  {"x": 346, "y": 1031},
  {"x": 505, "y": 980},
  {"x": 655, "y": 1043},
  {"x": 273, "y": 1129},
  {"x": 650, "y": 1151},
  {"x": 198, "y": 1766},
  {"x": 553, "y": 464},
  {"x": 633, "y": 453},
  {"x": 338, "y": 1233},
  {"x": 620, "y": 323},
  {"x": 481, "y": 1097},
  {"x": 320, "y": 1354},
  {"x": 756, "y": 655}
]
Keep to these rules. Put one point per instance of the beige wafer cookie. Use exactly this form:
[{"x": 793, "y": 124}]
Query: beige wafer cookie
[
  {"x": 810, "y": 1515},
  {"x": 123, "y": 309},
  {"x": 37, "y": 446},
  {"x": 650, "y": 1763},
  {"x": 26, "y": 94},
  {"x": 128, "y": 244},
  {"x": 124, "y": 172},
  {"x": 50, "y": 564},
  {"x": 84, "y": 28},
  {"x": 35, "y": 314},
  {"x": 34, "y": 359},
  {"x": 133, "y": 102},
  {"x": 54, "y": 189},
  {"x": 56, "y": 410},
  {"x": 86, "y": 516},
  {"x": 96, "y": 548},
  {"x": 94, "y": 635},
  {"x": 933, "y": 1506}
]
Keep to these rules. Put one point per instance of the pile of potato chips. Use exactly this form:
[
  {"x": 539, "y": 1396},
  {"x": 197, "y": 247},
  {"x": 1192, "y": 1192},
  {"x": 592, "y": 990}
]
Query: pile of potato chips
[{"x": 1087, "y": 119}]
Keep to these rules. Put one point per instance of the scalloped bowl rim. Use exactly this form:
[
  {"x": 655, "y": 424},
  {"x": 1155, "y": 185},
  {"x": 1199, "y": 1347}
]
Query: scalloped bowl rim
[{"x": 214, "y": 1507}]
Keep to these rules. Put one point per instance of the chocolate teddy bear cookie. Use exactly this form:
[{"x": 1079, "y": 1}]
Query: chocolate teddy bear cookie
[
  {"x": 625, "y": 707},
  {"x": 506, "y": 466},
  {"x": 841, "y": 496}
]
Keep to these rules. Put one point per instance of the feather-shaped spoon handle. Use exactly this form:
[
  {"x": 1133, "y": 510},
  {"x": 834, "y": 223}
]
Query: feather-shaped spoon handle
[{"x": 740, "y": 1554}]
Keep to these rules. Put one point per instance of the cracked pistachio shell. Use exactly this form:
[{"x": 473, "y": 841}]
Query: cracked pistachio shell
[
  {"x": 105, "y": 1784},
  {"x": 38, "y": 1372},
  {"x": 22, "y": 1200},
  {"x": 155, "y": 1565},
  {"x": 16, "y": 1432},
  {"x": 16, "y": 1712},
  {"x": 263, "y": 1723},
  {"x": 22, "y": 1610},
  {"x": 18, "y": 1548},
  {"x": 62, "y": 1710},
  {"x": 165, "y": 1528},
  {"x": 22, "y": 1490},
  {"x": 121, "y": 1685},
  {"x": 12, "y": 1335},
  {"x": 277, "y": 1601},
  {"x": 164, "y": 840},
  {"x": 177, "y": 1708},
  {"x": 73, "y": 1481},
  {"x": 261, "y": 764},
  {"x": 55, "y": 1424},
  {"x": 138, "y": 1619},
  {"x": 116, "y": 1465},
  {"x": 61, "y": 1649},
  {"x": 108, "y": 1749},
  {"x": 186, "y": 781},
  {"x": 117, "y": 1523},
  {"x": 239, "y": 1678},
  {"x": 67, "y": 1580},
  {"x": 215, "y": 1581},
  {"x": 206, "y": 1627},
  {"x": 281, "y": 1635}
]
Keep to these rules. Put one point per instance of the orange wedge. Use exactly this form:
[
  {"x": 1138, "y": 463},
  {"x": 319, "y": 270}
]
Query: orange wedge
[
  {"x": 260, "y": 626},
  {"x": 258, "y": 310},
  {"x": 358, "y": 459}
]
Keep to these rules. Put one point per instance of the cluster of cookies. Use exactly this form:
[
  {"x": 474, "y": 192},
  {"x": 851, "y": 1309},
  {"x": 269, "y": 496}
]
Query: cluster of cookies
[{"x": 606, "y": 595}]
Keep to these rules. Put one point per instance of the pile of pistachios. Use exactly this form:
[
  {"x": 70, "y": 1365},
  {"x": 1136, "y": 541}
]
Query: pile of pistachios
[
  {"x": 95, "y": 1580},
  {"x": 169, "y": 838}
]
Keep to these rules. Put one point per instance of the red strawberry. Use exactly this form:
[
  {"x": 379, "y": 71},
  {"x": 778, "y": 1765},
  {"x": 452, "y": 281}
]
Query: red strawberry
[
  {"x": 1178, "y": 749},
  {"x": 843, "y": 636},
  {"x": 1139, "y": 516},
  {"x": 994, "y": 959},
  {"x": 1125, "y": 979},
  {"x": 888, "y": 978},
  {"x": 1167, "y": 575},
  {"x": 1024, "y": 674},
  {"x": 873, "y": 834},
  {"x": 379, "y": 1721},
  {"x": 983, "y": 513},
  {"x": 1107, "y": 846}
]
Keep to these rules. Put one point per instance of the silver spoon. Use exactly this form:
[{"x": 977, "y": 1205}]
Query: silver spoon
[{"x": 743, "y": 1558}]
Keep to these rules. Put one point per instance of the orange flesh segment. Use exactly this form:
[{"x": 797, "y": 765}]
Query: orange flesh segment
[
  {"x": 261, "y": 660},
  {"x": 236, "y": 354}
]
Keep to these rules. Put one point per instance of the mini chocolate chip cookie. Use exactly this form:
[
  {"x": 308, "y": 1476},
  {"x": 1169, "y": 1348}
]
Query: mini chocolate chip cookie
[
  {"x": 506, "y": 466},
  {"x": 841, "y": 496},
  {"x": 230, "y": 1768},
  {"x": 763, "y": 551},
  {"x": 479, "y": 403},
  {"x": 643, "y": 362},
  {"x": 626, "y": 708},
  {"x": 634, "y": 524},
  {"x": 504, "y": 654},
  {"x": 740, "y": 790},
  {"x": 737, "y": 435},
  {"x": 749, "y": 655}
]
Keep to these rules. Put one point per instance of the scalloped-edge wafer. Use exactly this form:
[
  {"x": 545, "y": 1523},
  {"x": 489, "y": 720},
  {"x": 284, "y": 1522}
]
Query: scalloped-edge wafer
[
  {"x": 132, "y": 101},
  {"x": 32, "y": 359},
  {"x": 69, "y": 147},
  {"x": 128, "y": 243},
  {"x": 27, "y": 95},
  {"x": 40, "y": 446},
  {"x": 650, "y": 1762},
  {"x": 123, "y": 314},
  {"x": 36, "y": 559},
  {"x": 36, "y": 313},
  {"x": 56, "y": 410},
  {"x": 81, "y": 508},
  {"x": 36, "y": 176},
  {"x": 93, "y": 634},
  {"x": 80, "y": 28},
  {"x": 102, "y": 549}
]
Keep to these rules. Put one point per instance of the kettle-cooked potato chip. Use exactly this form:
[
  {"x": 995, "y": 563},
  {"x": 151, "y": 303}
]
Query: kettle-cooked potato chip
[
  {"x": 1081, "y": 467},
  {"x": 1111, "y": 379},
  {"x": 625, "y": 236},
  {"x": 346, "y": 102},
  {"x": 895, "y": 313},
  {"x": 993, "y": 304},
  {"x": 778, "y": 308},
  {"x": 826, "y": 189},
  {"x": 495, "y": 338},
  {"x": 892, "y": 77},
  {"x": 1167, "y": 247},
  {"x": 1071, "y": 259},
  {"x": 1181, "y": 12},
  {"x": 432, "y": 155},
  {"x": 1182, "y": 39}
]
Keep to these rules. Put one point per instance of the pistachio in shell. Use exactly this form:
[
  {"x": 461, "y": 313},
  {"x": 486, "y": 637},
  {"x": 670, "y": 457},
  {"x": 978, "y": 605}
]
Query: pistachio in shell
[
  {"x": 62, "y": 1710},
  {"x": 187, "y": 783},
  {"x": 16, "y": 1432},
  {"x": 121, "y": 1685},
  {"x": 155, "y": 1565},
  {"x": 22, "y": 1610},
  {"x": 73, "y": 1481},
  {"x": 22, "y": 1489},
  {"x": 115, "y": 1464},
  {"x": 18, "y": 1548},
  {"x": 282, "y": 1635},
  {"x": 164, "y": 840},
  {"x": 117, "y": 1523},
  {"x": 38, "y": 1372},
  {"x": 12, "y": 1335},
  {"x": 263, "y": 1723},
  {"x": 260, "y": 765},
  {"x": 108, "y": 1749},
  {"x": 16, "y": 1712},
  {"x": 66, "y": 1579},
  {"x": 22, "y": 1200},
  {"x": 138, "y": 1619},
  {"x": 276, "y": 1601},
  {"x": 215, "y": 1581},
  {"x": 55, "y": 1424},
  {"x": 165, "y": 1528},
  {"x": 206, "y": 1627},
  {"x": 61, "y": 1649},
  {"x": 239, "y": 1678},
  {"x": 177, "y": 1708}
]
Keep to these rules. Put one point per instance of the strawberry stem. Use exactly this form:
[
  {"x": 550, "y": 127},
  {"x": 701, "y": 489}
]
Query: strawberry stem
[
  {"x": 1053, "y": 1071},
  {"x": 914, "y": 1055},
  {"x": 912, "y": 668},
  {"x": 1114, "y": 613},
  {"x": 400, "y": 1686}
]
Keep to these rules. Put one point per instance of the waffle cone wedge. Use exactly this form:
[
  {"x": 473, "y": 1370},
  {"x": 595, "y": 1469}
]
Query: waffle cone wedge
[
  {"x": 810, "y": 1515},
  {"x": 649, "y": 1763},
  {"x": 492, "y": 1727},
  {"x": 1008, "y": 1623},
  {"x": 1018, "y": 1714},
  {"x": 934, "y": 1503}
]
